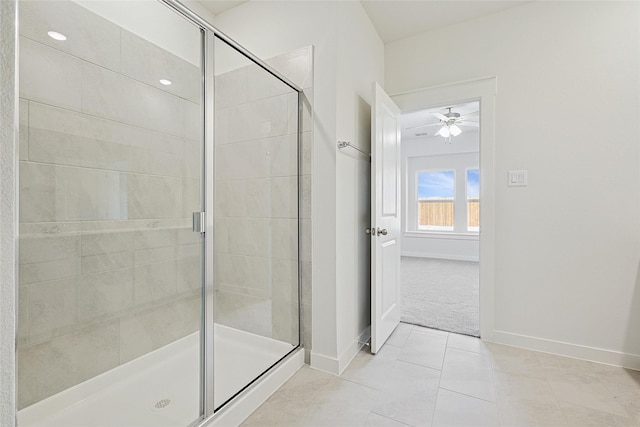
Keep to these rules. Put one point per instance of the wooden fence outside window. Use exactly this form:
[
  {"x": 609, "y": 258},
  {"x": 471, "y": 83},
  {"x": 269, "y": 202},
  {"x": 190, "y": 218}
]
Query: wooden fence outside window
[{"x": 440, "y": 213}]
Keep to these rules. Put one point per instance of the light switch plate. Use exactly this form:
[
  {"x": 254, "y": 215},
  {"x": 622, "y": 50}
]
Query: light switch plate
[{"x": 517, "y": 178}]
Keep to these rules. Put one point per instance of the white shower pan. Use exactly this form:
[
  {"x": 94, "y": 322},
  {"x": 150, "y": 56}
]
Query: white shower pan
[{"x": 161, "y": 388}]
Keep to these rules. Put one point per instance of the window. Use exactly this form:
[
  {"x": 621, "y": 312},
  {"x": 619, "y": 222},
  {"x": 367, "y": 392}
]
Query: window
[
  {"x": 473, "y": 200},
  {"x": 442, "y": 195},
  {"x": 436, "y": 200}
]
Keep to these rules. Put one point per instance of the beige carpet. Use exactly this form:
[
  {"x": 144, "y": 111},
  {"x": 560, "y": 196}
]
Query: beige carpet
[{"x": 441, "y": 294}]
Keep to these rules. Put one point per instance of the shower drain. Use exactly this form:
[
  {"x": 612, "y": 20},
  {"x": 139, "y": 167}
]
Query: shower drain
[{"x": 161, "y": 404}]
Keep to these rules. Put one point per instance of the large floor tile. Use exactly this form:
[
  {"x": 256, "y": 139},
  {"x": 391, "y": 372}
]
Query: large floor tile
[
  {"x": 630, "y": 401},
  {"x": 522, "y": 413},
  {"x": 454, "y": 409},
  {"x": 290, "y": 414},
  {"x": 625, "y": 386},
  {"x": 409, "y": 395},
  {"x": 372, "y": 370},
  {"x": 562, "y": 368},
  {"x": 579, "y": 416},
  {"x": 515, "y": 360},
  {"x": 465, "y": 342},
  {"x": 436, "y": 378},
  {"x": 589, "y": 395},
  {"x": 399, "y": 337},
  {"x": 424, "y": 348},
  {"x": 468, "y": 373},
  {"x": 526, "y": 401},
  {"x": 375, "y": 420},
  {"x": 302, "y": 388},
  {"x": 341, "y": 403}
]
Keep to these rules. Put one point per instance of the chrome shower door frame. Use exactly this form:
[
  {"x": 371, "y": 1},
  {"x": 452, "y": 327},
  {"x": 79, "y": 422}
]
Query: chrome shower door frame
[{"x": 207, "y": 188}]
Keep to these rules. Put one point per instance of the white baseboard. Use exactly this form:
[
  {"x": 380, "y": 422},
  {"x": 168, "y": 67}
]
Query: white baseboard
[
  {"x": 337, "y": 365},
  {"x": 347, "y": 356},
  {"x": 325, "y": 363},
  {"x": 593, "y": 354},
  {"x": 441, "y": 256}
]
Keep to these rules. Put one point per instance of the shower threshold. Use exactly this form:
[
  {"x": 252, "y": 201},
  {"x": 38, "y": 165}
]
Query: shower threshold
[{"x": 161, "y": 388}]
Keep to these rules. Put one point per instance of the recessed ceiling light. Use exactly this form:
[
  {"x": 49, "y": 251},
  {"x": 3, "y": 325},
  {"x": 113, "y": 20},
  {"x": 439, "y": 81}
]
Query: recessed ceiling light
[
  {"x": 57, "y": 36},
  {"x": 165, "y": 82}
]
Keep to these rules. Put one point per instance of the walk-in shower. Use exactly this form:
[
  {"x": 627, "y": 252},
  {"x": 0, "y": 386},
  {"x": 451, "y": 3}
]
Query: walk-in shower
[{"x": 133, "y": 310}]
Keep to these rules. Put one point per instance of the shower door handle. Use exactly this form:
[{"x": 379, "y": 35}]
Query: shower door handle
[{"x": 199, "y": 222}]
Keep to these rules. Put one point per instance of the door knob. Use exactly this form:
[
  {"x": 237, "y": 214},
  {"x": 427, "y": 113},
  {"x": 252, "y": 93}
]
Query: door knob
[
  {"x": 367, "y": 230},
  {"x": 382, "y": 231}
]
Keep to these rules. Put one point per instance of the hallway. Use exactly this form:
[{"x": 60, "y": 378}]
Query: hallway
[{"x": 424, "y": 377}]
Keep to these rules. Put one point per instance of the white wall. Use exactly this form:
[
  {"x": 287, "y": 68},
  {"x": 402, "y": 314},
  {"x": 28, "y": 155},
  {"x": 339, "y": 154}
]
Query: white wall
[
  {"x": 360, "y": 62},
  {"x": 567, "y": 107},
  {"x": 433, "y": 152},
  {"x": 348, "y": 55}
]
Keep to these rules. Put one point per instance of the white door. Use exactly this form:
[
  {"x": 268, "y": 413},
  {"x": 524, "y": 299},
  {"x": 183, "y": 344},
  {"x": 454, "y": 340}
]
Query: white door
[{"x": 385, "y": 218}]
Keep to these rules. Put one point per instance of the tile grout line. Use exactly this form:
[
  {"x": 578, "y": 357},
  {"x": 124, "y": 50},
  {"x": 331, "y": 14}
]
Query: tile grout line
[
  {"x": 495, "y": 389},
  {"x": 470, "y": 351},
  {"x": 372, "y": 411},
  {"x": 435, "y": 403},
  {"x": 119, "y": 122},
  {"x": 389, "y": 418},
  {"x": 106, "y": 68},
  {"x": 556, "y": 400},
  {"x": 118, "y": 171},
  {"x": 467, "y": 395},
  {"x": 380, "y": 390}
]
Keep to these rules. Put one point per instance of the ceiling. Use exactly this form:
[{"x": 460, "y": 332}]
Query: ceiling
[
  {"x": 219, "y": 6},
  {"x": 424, "y": 117},
  {"x": 397, "y": 19}
]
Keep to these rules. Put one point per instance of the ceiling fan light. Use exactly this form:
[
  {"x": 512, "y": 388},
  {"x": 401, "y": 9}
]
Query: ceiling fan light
[
  {"x": 455, "y": 130},
  {"x": 444, "y": 132}
]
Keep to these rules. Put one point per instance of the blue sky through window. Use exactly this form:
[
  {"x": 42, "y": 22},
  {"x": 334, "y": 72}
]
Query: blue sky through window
[
  {"x": 473, "y": 183},
  {"x": 436, "y": 184}
]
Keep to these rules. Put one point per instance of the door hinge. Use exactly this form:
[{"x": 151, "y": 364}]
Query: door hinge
[{"x": 199, "y": 222}]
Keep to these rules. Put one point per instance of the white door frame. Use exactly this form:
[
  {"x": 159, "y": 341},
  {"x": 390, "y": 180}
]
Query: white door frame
[{"x": 483, "y": 90}]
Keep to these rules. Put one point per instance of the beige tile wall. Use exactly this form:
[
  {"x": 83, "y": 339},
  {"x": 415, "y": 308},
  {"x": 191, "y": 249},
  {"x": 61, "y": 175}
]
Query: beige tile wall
[
  {"x": 109, "y": 176},
  {"x": 257, "y": 199}
]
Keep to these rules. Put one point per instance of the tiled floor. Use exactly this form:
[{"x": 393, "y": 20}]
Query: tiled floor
[{"x": 424, "y": 377}]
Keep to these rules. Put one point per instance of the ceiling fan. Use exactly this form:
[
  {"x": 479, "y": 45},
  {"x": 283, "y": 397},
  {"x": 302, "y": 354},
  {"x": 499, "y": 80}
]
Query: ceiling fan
[{"x": 449, "y": 123}]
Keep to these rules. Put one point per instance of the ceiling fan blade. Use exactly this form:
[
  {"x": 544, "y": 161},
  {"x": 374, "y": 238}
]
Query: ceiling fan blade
[
  {"x": 440, "y": 116},
  {"x": 474, "y": 113},
  {"x": 423, "y": 126},
  {"x": 474, "y": 124}
]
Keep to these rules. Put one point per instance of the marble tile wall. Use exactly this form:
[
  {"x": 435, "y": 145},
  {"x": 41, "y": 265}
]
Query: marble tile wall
[
  {"x": 109, "y": 176},
  {"x": 257, "y": 199}
]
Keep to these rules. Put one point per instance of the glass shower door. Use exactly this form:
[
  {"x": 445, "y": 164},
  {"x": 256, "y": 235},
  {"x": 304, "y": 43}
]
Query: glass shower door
[
  {"x": 256, "y": 221},
  {"x": 110, "y": 173}
]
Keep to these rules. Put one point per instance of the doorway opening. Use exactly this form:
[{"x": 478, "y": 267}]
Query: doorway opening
[{"x": 440, "y": 245}]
